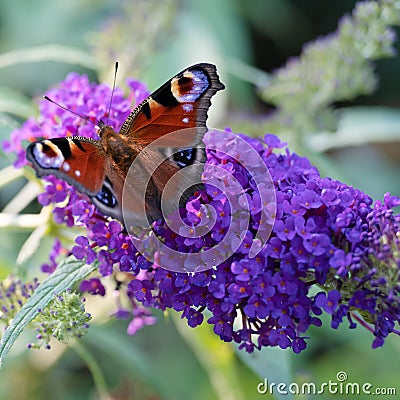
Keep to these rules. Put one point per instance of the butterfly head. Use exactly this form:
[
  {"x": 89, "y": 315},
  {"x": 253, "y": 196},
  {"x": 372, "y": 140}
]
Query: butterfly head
[{"x": 104, "y": 130}]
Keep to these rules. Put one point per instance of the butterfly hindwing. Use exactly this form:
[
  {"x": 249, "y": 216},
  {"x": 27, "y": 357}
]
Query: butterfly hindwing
[{"x": 77, "y": 160}]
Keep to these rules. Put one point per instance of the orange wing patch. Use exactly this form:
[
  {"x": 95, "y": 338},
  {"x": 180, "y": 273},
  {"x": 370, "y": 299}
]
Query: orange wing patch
[
  {"x": 85, "y": 166},
  {"x": 181, "y": 103}
]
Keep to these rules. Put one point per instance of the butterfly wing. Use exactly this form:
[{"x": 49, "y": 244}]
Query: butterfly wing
[
  {"x": 82, "y": 163},
  {"x": 181, "y": 103},
  {"x": 77, "y": 160},
  {"x": 170, "y": 123}
]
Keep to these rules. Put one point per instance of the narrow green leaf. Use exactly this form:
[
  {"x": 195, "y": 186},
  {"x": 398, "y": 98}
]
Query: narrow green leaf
[
  {"x": 117, "y": 345},
  {"x": 216, "y": 357},
  {"x": 7, "y": 125},
  {"x": 23, "y": 198},
  {"x": 65, "y": 276},
  {"x": 247, "y": 72},
  {"x": 359, "y": 126},
  {"x": 50, "y": 52},
  {"x": 14, "y": 102},
  {"x": 9, "y": 174},
  {"x": 18, "y": 222},
  {"x": 272, "y": 365},
  {"x": 32, "y": 244}
]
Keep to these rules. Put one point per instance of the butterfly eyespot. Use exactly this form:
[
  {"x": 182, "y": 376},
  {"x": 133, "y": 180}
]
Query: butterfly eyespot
[
  {"x": 106, "y": 197},
  {"x": 46, "y": 156},
  {"x": 185, "y": 157},
  {"x": 185, "y": 120},
  {"x": 189, "y": 87}
]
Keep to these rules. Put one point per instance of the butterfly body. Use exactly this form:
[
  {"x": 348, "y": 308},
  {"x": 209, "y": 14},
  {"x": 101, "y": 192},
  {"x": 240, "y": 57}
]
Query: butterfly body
[
  {"x": 161, "y": 136},
  {"x": 120, "y": 149}
]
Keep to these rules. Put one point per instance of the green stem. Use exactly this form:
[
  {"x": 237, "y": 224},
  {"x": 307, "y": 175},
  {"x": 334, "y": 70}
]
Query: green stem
[{"x": 97, "y": 374}]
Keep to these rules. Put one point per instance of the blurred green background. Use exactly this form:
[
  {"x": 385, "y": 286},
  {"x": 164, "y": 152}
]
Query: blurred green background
[{"x": 41, "y": 41}]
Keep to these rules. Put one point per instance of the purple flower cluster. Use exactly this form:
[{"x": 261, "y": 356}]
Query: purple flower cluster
[
  {"x": 13, "y": 295},
  {"x": 370, "y": 273},
  {"x": 326, "y": 235}
]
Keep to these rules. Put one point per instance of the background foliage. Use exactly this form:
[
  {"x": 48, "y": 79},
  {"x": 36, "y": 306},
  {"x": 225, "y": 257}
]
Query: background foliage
[{"x": 41, "y": 41}]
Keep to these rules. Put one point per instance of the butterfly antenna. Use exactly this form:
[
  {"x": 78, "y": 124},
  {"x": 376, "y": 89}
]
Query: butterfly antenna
[
  {"x": 113, "y": 89},
  {"x": 98, "y": 123}
]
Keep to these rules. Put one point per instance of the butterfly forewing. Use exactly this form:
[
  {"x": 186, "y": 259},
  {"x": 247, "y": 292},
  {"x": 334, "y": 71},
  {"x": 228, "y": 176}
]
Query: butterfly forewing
[{"x": 181, "y": 103}]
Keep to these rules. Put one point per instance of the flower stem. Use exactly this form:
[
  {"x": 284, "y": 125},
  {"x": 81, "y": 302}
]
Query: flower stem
[
  {"x": 97, "y": 374},
  {"x": 362, "y": 322}
]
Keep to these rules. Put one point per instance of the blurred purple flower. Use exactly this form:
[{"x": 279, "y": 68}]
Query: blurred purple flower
[
  {"x": 93, "y": 286},
  {"x": 141, "y": 318}
]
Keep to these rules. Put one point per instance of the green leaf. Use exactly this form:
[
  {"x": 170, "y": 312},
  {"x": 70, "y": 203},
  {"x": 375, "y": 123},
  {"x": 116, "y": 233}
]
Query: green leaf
[
  {"x": 216, "y": 357},
  {"x": 118, "y": 345},
  {"x": 7, "y": 125},
  {"x": 50, "y": 52},
  {"x": 14, "y": 102},
  {"x": 9, "y": 174},
  {"x": 272, "y": 365},
  {"x": 358, "y": 126},
  {"x": 65, "y": 276}
]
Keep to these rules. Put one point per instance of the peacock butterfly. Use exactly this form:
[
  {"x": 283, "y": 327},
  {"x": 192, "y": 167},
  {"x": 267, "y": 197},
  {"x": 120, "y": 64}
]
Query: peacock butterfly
[{"x": 99, "y": 168}]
